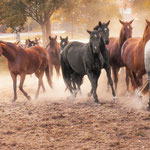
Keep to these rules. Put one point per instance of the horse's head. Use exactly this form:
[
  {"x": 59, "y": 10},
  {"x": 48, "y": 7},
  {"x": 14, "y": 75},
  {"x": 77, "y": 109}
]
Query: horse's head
[
  {"x": 63, "y": 42},
  {"x": 94, "y": 40},
  {"x": 53, "y": 45},
  {"x": 104, "y": 31},
  {"x": 29, "y": 43},
  {"x": 126, "y": 29},
  {"x": 37, "y": 41}
]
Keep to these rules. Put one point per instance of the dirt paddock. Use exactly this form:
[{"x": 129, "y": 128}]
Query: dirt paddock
[{"x": 54, "y": 122}]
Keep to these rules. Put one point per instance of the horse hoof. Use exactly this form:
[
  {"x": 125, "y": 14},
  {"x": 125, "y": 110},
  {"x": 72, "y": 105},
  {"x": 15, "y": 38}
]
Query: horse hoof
[
  {"x": 115, "y": 98},
  {"x": 29, "y": 98},
  {"x": 128, "y": 94},
  {"x": 148, "y": 108},
  {"x": 97, "y": 101}
]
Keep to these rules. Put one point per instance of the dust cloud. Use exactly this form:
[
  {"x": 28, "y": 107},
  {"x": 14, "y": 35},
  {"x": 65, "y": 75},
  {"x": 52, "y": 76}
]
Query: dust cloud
[{"x": 58, "y": 92}]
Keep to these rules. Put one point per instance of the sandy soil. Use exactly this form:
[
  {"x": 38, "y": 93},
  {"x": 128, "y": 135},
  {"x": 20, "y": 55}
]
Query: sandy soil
[{"x": 54, "y": 122}]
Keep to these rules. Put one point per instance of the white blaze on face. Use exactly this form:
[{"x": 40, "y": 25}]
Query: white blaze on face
[
  {"x": 128, "y": 27},
  {"x": 95, "y": 35},
  {"x": 63, "y": 43},
  {"x": 105, "y": 29},
  {"x": 95, "y": 47}
]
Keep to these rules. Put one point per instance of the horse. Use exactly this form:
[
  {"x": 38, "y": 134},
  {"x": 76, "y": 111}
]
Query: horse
[
  {"x": 79, "y": 59},
  {"x": 26, "y": 61},
  {"x": 114, "y": 48},
  {"x": 53, "y": 49},
  {"x": 104, "y": 32},
  {"x": 132, "y": 54}
]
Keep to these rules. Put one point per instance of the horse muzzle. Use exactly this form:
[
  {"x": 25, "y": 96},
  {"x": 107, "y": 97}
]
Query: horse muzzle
[{"x": 106, "y": 42}]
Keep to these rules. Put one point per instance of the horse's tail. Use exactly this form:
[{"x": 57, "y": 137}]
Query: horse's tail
[
  {"x": 64, "y": 70},
  {"x": 48, "y": 75}
]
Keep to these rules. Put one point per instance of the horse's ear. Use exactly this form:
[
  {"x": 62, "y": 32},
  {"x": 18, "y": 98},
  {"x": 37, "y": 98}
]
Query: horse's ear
[
  {"x": 121, "y": 22},
  {"x": 148, "y": 22},
  {"x": 60, "y": 38},
  {"x": 89, "y": 31},
  {"x": 99, "y": 24},
  {"x": 131, "y": 21},
  {"x": 107, "y": 23},
  {"x": 55, "y": 37},
  {"x": 50, "y": 38},
  {"x": 67, "y": 38}
]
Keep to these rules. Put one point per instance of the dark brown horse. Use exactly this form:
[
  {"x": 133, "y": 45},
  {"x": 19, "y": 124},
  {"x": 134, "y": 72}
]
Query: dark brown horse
[
  {"x": 133, "y": 56},
  {"x": 53, "y": 49},
  {"x": 26, "y": 61},
  {"x": 114, "y": 47}
]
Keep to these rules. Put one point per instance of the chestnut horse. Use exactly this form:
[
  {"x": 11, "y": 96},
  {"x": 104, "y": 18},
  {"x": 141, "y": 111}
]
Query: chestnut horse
[
  {"x": 53, "y": 49},
  {"x": 114, "y": 48},
  {"x": 133, "y": 57},
  {"x": 26, "y": 61}
]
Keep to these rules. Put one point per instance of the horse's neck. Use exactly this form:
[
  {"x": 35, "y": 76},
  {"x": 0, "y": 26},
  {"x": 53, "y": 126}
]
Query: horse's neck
[
  {"x": 121, "y": 39},
  {"x": 143, "y": 41},
  {"x": 102, "y": 46},
  {"x": 9, "y": 53}
]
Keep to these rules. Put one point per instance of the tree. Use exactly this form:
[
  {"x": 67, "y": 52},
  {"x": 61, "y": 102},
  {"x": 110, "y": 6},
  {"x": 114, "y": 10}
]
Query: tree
[
  {"x": 15, "y": 12},
  {"x": 89, "y": 12},
  {"x": 11, "y": 15},
  {"x": 144, "y": 5}
]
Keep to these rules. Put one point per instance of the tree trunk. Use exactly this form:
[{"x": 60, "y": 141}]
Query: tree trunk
[
  {"x": 48, "y": 29},
  {"x": 43, "y": 34}
]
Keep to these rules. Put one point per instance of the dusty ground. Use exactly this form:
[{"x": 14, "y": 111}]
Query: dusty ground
[{"x": 54, "y": 122}]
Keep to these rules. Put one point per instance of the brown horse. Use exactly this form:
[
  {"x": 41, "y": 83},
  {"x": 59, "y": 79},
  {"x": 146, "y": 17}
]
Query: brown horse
[
  {"x": 53, "y": 49},
  {"x": 114, "y": 48},
  {"x": 133, "y": 56},
  {"x": 26, "y": 61}
]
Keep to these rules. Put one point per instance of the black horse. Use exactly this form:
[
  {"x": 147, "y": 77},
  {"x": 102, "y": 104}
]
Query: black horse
[
  {"x": 76, "y": 79},
  {"x": 63, "y": 42},
  {"x": 79, "y": 59}
]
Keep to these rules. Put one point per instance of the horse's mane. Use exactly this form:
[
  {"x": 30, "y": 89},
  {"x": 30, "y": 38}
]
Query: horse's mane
[
  {"x": 11, "y": 45},
  {"x": 144, "y": 38},
  {"x": 121, "y": 39}
]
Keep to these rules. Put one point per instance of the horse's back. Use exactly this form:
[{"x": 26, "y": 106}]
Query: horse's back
[
  {"x": 128, "y": 47},
  {"x": 37, "y": 53},
  {"x": 147, "y": 56},
  {"x": 130, "y": 54}
]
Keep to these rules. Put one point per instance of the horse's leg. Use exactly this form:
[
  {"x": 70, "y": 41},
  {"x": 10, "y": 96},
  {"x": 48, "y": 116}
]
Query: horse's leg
[
  {"x": 43, "y": 87},
  {"x": 93, "y": 77},
  {"x": 115, "y": 75},
  {"x": 79, "y": 82},
  {"x": 108, "y": 71},
  {"x": 51, "y": 69},
  {"x": 127, "y": 83},
  {"x": 57, "y": 68},
  {"x": 40, "y": 76},
  {"x": 14, "y": 78},
  {"x": 22, "y": 78},
  {"x": 148, "y": 107}
]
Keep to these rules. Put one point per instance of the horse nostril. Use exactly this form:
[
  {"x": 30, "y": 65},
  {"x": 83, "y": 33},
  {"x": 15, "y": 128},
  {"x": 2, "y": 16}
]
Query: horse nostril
[{"x": 107, "y": 42}]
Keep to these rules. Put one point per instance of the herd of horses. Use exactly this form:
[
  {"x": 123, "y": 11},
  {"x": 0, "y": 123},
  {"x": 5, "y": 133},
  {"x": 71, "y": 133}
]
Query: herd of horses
[{"x": 77, "y": 59}]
